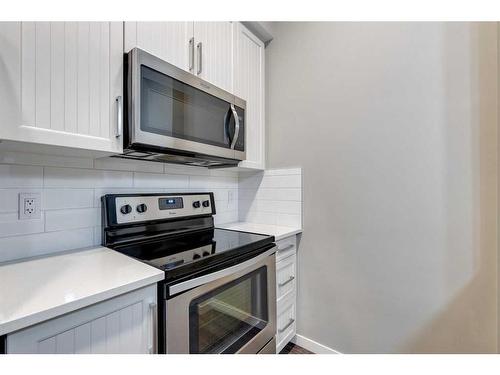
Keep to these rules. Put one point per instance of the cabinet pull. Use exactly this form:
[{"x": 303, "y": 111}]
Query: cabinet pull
[
  {"x": 119, "y": 116},
  {"x": 191, "y": 54},
  {"x": 286, "y": 282},
  {"x": 281, "y": 330},
  {"x": 199, "y": 49},
  {"x": 153, "y": 307},
  {"x": 286, "y": 247}
]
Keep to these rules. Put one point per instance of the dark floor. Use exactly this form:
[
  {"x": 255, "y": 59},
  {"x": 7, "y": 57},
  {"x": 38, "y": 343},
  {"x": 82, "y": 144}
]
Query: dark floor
[{"x": 294, "y": 349}]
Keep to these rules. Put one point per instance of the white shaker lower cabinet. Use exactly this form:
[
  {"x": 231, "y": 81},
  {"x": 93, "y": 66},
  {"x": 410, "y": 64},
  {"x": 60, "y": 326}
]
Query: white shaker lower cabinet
[
  {"x": 124, "y": 324},
  {"x": 286, "y": 291},
  {"x": 170, "y": 41},
  {"x": 61, "y": 84},
  {"x": 249, "y": 85}
]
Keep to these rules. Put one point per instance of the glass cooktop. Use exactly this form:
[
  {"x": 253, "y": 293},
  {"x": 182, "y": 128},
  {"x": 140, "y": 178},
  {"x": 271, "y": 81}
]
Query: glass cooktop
[{"x": 196, "y": 250}]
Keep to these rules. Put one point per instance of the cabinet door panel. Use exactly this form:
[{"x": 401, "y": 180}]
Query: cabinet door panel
[
  {"x": 119, "y": 325},
  {"x": 166, "y": 40},
  {"x": 249, "y": 85},
  {"x": 67, "y": 83},
  {"x": 216, "y": 40}
]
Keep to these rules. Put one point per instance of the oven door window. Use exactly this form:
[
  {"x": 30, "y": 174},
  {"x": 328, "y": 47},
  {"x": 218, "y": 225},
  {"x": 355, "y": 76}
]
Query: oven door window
[
  {"x": 226, "y": 318},
  {"x": 175, "y": 109}
]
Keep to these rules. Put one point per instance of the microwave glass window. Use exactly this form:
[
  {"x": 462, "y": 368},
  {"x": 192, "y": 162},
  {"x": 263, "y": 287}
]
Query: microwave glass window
[
  {"x": 175, "y": 109},
  {"x": 225, "y": 319}
]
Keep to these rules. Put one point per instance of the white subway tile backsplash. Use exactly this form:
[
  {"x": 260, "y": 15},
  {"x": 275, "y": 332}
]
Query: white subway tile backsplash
[
  {"x": 54, "y": 199},
  {"x": 82, "y": 178},
  {"x": 119, "y": 164},
  {"x": 71, "y": 190},
  {"x": 19, "y": 176},
  {"x": 12, "y": 157},
  {"x": 10, "y": 225},
  {"x": 18, "y": 247},
  {"x": 271, "y": 197},
  {"x": 9, "y": 198},
  {"x": 162, "y": 181},
  {"x": 72, "y": 219}
]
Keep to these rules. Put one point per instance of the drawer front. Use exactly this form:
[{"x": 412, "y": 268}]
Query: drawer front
[
  {"x": 285, "y": 276},
  {"x": 285, "y": 321},
  {"x": 286, "y": 247}
]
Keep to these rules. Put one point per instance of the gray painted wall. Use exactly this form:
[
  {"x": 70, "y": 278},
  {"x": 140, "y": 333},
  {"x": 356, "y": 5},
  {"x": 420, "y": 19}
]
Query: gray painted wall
[{"x": 395, "y": 126}]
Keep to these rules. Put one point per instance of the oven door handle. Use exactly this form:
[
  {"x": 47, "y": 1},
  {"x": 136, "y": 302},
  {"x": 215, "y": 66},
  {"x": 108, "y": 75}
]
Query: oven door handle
[{"x": 193, "y": 283}]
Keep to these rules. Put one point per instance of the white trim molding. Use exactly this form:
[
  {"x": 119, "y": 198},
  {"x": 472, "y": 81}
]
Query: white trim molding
[{"x": 313, "y": 346}]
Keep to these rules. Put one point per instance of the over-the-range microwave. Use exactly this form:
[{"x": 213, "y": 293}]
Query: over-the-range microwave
[{"x": 174, "y": 116}]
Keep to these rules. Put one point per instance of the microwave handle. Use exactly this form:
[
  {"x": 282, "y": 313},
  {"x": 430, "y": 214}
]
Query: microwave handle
[{"x": 236, "y": 126}]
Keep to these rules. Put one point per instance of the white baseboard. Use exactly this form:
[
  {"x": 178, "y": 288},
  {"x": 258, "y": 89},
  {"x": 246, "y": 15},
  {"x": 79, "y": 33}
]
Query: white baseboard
[{"x": 313, "y": 346}]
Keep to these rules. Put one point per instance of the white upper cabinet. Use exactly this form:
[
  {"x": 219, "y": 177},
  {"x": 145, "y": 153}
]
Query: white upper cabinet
[
  {"x": 214, "y": 53},
  {"x": 170, "y": 41},
  {"x": 249, "y": 85},
  {"x": 61, "y": 82},
  {"x": 202, "y": 48}
]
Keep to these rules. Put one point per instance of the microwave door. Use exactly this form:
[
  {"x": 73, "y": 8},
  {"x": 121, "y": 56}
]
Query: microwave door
[{"x": 167, "y": 110}]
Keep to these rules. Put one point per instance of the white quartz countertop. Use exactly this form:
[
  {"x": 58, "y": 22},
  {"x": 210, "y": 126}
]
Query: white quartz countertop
[
  {"x": 39, "y": 289},
  {"x": 279, "y": 232}
]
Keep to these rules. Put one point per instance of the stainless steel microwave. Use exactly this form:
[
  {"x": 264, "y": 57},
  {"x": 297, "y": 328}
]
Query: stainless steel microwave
[{"x": 174, "y": 116}]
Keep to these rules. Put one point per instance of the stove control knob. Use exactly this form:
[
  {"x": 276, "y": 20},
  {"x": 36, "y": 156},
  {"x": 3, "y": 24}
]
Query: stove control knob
[
  {"x": 206, "y": 253},
  {"x": 196, "y": 204},
  {"x": 196, "y": 256},
  {"x": 206, "y": 203},
  {"x": 126, "y": 209},
  {"x": 141, "y": 208}
]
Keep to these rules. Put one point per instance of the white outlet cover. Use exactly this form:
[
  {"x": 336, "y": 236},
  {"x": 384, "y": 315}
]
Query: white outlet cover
[{"x": 37, "y": 204}]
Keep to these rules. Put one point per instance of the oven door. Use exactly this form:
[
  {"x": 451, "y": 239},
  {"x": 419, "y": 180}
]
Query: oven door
[
  {"x": 229, "y": 311},
  {"x": 169, "y": 108}
]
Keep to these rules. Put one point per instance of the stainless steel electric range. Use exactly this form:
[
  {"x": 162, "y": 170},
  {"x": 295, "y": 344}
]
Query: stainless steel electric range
[{"x": 219, "y": 292}]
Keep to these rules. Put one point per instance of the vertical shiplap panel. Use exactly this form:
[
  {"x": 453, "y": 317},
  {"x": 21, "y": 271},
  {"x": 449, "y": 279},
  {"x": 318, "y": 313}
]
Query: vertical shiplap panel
[
  {"x": 104, "y": 81},
  {"x": 57, "y": 45},
  {"x": 47, "y": 346},
  {"x": 83, "y": 105},
  {"x": 144, "y": 36},
  {"x": 83, "y": 339},
  {"x": 28, "y": 73},
  {"x": 43, "y": 71},
  {"x": 113, "y": 333},
  {"x": 115, "y": 77},
  {"x": 94, "y": 77},
  {"x": 98, "y": 336},
  {"x": 65, "y": 342},
  {"x": 138, "y": 332},
  {"x": 126, "y": 330},
  {"x": 70, "y": 76},
  {"x": 130, "y": 35}
]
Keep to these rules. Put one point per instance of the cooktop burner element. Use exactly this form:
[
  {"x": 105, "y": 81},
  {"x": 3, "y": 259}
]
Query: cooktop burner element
[{"x": 174, "y": 232}]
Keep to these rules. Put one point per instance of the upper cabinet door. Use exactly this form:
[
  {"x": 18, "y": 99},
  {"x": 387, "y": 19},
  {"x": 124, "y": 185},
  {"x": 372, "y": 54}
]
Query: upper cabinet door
[
  {"x": 62, "y": 83},
  {"x": 214, "y": 53},
  {"x": 249, "y": 74},
  {"x": 170, "y": 41}
]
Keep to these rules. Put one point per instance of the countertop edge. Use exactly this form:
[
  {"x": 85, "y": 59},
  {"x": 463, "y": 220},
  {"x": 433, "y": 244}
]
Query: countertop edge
[
  {"x": 266, "y": 229},
  {"x": 54, "y": 312}
]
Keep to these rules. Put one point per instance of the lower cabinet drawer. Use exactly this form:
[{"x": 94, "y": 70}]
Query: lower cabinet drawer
[
  {"x": 285, "y": 276},
  {"x": 286, "y": 329},
  {"x": 286, "y": 247}
]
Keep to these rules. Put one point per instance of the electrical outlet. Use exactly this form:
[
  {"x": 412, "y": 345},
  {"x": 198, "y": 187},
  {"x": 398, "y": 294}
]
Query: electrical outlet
[{"x": 29, "y": 206}]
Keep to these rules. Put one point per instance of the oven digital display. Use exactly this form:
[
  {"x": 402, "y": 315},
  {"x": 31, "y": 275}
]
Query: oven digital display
[{"x": 170, "y": 203}]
